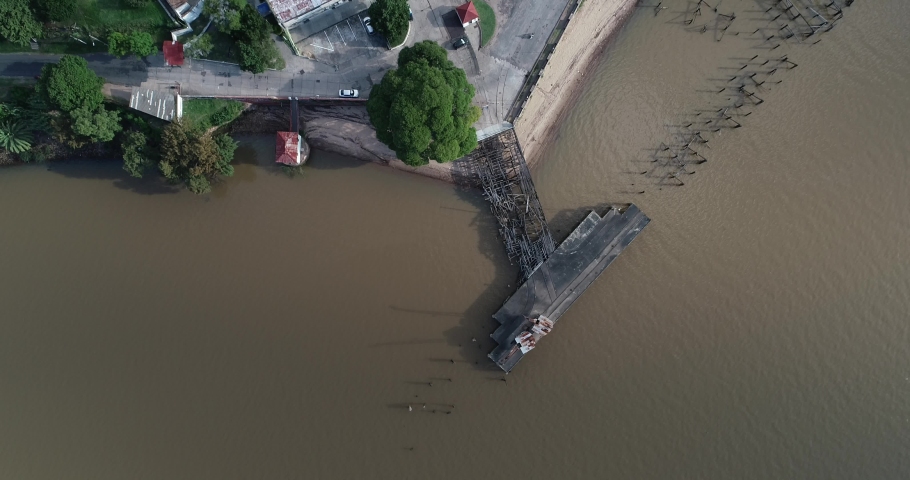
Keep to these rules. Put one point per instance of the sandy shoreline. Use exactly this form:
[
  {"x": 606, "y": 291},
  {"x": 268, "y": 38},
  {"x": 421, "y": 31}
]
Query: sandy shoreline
[{"x": 589, "y": 30}]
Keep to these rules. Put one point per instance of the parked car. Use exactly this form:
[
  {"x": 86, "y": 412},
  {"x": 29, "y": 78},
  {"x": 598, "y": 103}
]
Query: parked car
[
  {"x": 460, "y": 42},
  {"x": 410, "y": 14},
  {"x": 368, "y": 26},
  {"x": 348, "y": 93}
]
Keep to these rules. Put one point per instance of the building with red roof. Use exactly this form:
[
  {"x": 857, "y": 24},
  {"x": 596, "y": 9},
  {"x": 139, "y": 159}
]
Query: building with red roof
[
  {"x": 287, "y": 148},
  {"x": 467, "y": 13},
  {"x": 173, "y": 53}
]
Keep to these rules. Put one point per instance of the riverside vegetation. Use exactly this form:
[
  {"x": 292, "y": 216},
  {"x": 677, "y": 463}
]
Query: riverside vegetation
[{"x": 65, "y": 115}]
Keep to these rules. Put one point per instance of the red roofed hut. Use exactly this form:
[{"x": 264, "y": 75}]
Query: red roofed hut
[
  {"x": 467, "y": 13},
  {"x": 173, "y": 53},
  {"x": 287, "y": 148}
]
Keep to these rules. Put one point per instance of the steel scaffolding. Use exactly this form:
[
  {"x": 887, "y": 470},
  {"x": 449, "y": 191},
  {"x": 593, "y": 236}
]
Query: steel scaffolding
[{"x": 507, "y": 185}]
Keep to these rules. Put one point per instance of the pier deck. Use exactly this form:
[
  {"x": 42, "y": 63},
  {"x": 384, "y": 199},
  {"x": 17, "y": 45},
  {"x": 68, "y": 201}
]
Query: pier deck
[
  {"x": 553, "y": 278},
  {"x": 555, "y": 285}
]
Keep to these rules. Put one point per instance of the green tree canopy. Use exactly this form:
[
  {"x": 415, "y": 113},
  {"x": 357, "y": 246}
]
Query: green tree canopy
[
  {"x": 98, "y": 124},
  {"x": 257, "y": 51},
  {"x": 17, "y": 22},
  {"x": 69, "y": 84},
  {"x": 225, "y": 13},
  {"x": 194, "y": 159},
  {"x": 391, "y": 18},
  {"x": 137, "y": 43},
  {"x": 423, "y": 110},
  {"x": 136, "y": 157}
]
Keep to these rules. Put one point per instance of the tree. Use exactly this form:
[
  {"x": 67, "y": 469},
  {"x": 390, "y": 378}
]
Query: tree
[
  {"x": 423, "y": 109},
  {"x": 57, "y": 10},
  {"x": 69, "y": 84},
  {"x": 226, "y": 147},
  {"x": 17, "y": 22},
  {"x": 14, "y": 136},
  {"x": 99, "y": 124},
  {"x": 136, "y": 160},
  {"x": 225, "y": 13},
  {"x": 140, "y": 44},
  {"x": 193, "y": 159},
  {"x": 391, "y": 18},
  {"x": 199, "y": 48},
  {"x": 257, "y": 51}
]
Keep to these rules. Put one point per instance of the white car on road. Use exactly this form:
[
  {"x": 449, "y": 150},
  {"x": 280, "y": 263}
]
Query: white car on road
[{"x": 348, "y": 93}]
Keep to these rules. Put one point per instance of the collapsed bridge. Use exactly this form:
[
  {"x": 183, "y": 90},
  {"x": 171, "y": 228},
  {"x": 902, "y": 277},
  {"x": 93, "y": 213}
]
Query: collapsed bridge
[{"x": 553, "y": 277}]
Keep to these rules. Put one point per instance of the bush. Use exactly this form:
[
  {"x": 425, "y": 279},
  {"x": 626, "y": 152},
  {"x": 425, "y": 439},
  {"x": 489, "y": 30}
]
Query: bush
[
  {"x": 140, "y": 44},
  {"x": 136, "y": 3},
  {"x": 226, "y": 114}
]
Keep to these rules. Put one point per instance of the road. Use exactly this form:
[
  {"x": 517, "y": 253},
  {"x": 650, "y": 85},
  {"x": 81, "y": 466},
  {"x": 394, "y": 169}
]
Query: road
[{"x": 201, "y": 77}]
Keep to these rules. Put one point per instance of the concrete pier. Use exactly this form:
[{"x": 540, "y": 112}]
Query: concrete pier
[{"x": 532, "y": 311}]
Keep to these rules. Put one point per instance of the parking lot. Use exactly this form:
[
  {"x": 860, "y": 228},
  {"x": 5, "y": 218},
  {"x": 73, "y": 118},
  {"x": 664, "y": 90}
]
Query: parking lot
[{"x": 344, "y": 43}]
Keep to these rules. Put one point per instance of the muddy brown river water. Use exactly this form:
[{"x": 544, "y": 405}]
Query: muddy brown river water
[{"x": 280, "y": 328}]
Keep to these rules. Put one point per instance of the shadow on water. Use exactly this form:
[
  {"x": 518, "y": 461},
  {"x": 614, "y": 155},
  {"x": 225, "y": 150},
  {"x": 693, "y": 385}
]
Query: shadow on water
[
  {"x": 112, "y": 170},
  {"x": 472, "y": 334}
]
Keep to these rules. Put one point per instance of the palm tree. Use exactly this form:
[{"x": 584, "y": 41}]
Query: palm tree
[{"x": 14, "y": 136}]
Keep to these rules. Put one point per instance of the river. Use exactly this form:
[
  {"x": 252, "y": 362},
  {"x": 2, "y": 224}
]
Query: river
[{"x": 280, "y": 328}]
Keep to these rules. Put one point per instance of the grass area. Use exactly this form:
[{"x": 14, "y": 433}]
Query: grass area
[
  {"x": 204, "y": 113},
  {"x": 487, "y": 21},
  {"x": 104, "y": 16}
]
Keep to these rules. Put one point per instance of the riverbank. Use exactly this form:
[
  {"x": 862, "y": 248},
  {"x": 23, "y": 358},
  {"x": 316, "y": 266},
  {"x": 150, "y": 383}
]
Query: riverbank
[
  {"x": 591, "y": 27},
  {"x": 345, "y": 130}
]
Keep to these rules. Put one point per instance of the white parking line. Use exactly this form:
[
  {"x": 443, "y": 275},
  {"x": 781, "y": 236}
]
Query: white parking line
[
  {"x": 354, "y": 35},
  {"x": 330, "y": 40},
  {"x": 340, "y": 35}
]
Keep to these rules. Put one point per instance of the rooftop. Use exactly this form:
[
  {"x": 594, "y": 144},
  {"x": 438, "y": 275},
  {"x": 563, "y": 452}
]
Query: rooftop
[
  {"x": 173, "y": 53},
  {"x": 287, "y": 148},
  {"x": 161, "y": 104},
  {"x": 467, "y": 12},
  {"x": 287, "y": 10}
]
